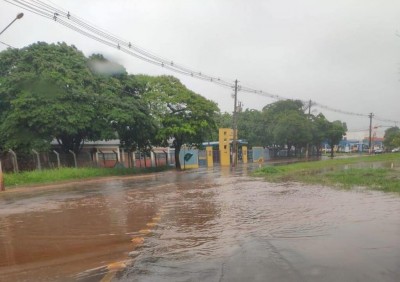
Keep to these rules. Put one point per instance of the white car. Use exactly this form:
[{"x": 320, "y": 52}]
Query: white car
[{"x": 396, "y": 150}]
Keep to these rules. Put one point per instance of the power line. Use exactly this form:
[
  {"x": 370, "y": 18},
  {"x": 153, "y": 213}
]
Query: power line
[
  {"x": 8, "y": 45},
  {"x": 79, "y": 25}
]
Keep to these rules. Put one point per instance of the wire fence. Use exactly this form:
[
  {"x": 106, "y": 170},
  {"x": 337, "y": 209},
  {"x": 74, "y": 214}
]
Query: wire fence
[{"x": 16, "y": 162}]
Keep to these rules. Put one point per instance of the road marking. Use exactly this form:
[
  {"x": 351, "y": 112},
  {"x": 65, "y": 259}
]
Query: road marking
[
  {"x": 145, "y": 231},
  {"x": 138, "y": 240}
]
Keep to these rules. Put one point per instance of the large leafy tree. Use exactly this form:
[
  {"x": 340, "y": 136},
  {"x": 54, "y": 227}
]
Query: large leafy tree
[
  {"x": 392, "y": 137},
  {"x": 47, "y": 91},
  {"x": 292, "y": 128},
  {"x": 52, "y": 91},
  {"x": 319, "y": 128},
  {"x": 182, "y": 115},
  {"x": 139, "y": 129},
  {"x": 335, "y": 132},
  {"x": 286, "y": 124},
  {"x": 251, "y": 126},
  {"x": 121, "y": 105}
]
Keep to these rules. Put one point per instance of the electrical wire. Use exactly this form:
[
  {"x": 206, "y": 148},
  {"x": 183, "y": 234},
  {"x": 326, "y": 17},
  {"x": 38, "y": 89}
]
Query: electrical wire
[
  {"x": 79, "y": 25},
  {"x": 8, "y": 45},
  {"x": 28, "y": 8}
]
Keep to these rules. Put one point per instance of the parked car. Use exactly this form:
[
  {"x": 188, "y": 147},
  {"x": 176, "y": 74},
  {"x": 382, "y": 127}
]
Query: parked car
[
  {"x": 378, "y": 151},
  {"x": 396, "y": 150}
]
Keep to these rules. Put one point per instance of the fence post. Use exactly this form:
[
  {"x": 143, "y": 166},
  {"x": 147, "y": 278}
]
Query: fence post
[
  {"x": 152, "y": 159},
  {"x": 58, "y": 158},
  {"x": 166, "y": 158},
  {"x": 2, "y": 187},
  {"x": 15, "y": 161},
  {"x": 122, "y": 153},
  {"x": 39, "y": 165},
  {"x": 73, "y": 154}
]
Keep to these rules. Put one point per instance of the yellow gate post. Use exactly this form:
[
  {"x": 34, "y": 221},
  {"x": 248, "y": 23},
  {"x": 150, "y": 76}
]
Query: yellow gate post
[
  {"x": 244, "y": 154},
  {"x": 210, "y": 160},
  {"x": 224, "y": 146}
]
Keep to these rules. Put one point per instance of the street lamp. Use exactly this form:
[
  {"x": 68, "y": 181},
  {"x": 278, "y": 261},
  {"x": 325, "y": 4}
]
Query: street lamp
[{"x": 20, "y": 15}]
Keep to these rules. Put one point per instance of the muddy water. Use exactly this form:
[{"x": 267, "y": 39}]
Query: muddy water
[{"x": 210, "y": 225}]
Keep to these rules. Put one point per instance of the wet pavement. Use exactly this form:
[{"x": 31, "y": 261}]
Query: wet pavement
[{"x": 202, "y": 225}]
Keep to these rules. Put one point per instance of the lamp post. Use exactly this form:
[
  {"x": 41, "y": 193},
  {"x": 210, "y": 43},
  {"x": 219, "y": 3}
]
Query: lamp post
[{"x": 20, "y": 15}]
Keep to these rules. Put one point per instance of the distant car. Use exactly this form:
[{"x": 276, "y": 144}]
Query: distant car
[
  {"x": 396, "y": 150},
  {"x": 378, "y": 151}
]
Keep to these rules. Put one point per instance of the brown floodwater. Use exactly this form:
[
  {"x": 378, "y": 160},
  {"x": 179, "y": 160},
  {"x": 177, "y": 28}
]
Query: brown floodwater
[{"x": 201, "y": 225}]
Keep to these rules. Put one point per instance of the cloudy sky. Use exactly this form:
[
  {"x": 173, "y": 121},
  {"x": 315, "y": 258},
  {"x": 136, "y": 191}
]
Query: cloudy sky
[{"x": 344, "y": 54}]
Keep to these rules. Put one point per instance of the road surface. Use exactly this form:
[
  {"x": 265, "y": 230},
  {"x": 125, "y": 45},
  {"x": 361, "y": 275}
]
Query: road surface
[{"x": 201, "y": 225}]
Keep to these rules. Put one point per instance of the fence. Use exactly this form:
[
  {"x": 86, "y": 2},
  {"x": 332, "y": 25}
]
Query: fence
[{"x": 15, "y": 162}]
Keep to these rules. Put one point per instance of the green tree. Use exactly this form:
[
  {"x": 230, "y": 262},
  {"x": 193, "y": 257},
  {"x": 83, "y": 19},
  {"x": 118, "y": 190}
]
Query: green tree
[
  {"x": 52, "y": 91},
  {"x": 335, "y": 133},
  {"x": 320, "y": 126},
  {"x": 292, "y": 128},
  {"x": 47, "y": 92},
  {"x": 182, "y": 115},
  {"x": 286, "y": 124},
  {"x": 251, "y": 126},
  {"x": 392, "y": 137},
  {"x": 139, "y": 131},
  {"x": 122, "y": 105},
  {"x": 222, "y": 120}
]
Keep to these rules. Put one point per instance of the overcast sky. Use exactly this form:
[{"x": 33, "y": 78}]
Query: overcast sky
[{"x": 341, "y": 53}]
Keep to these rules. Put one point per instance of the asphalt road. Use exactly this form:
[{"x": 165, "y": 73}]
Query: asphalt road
[{"x": 201, "y": 225}]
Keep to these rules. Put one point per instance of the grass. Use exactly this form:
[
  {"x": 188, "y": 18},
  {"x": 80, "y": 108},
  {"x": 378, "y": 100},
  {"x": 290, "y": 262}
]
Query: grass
[
  {"x": 65, "y": 174},
  {"x": 341, "y": 172}
]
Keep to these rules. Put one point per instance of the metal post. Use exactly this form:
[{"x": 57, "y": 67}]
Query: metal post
[
  {"x": 152, "y": 159},
  {"x": 20, "y": 15},
  {"x": 2, "y": 187},
  {"x": 370, "y": 132},
  {"x": 39, "y": 165},
  {"x": 73, "y": 154},
  {"x": 58, "y": 158},
  {"x": 309, "y": 117},
  {"x": 15, "y": 161},
  {"x": 234, "y": 128}
]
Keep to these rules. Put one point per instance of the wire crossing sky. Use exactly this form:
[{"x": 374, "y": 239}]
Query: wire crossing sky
[{"x": 51, "y": 11}]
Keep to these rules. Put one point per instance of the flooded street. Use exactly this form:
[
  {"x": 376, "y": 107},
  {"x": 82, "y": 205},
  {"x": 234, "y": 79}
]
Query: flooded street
[{"x": 201, "y": 225}]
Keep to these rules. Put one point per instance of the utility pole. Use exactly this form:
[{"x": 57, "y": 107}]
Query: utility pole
[
  {"x": 234, "y": 128},
  {"x": 309, "y": 116},
  {"x": 371, "y": 115}
]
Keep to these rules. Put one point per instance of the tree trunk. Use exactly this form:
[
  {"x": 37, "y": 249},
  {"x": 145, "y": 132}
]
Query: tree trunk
[
  {"x": 177, "y": 146},
  {"x": 177, "y": 161}
]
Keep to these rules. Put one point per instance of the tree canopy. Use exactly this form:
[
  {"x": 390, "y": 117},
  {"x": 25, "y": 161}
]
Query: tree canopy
[
  {"x": 284, "y": 124},
  {"x": 182, "y": 115},
  {"x": 392, "y": 137},
  {"x": 54, "y": 92}
]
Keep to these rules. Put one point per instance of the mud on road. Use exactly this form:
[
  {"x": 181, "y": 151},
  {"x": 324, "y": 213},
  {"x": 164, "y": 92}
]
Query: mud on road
[{"x": 207, "y": 224}]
